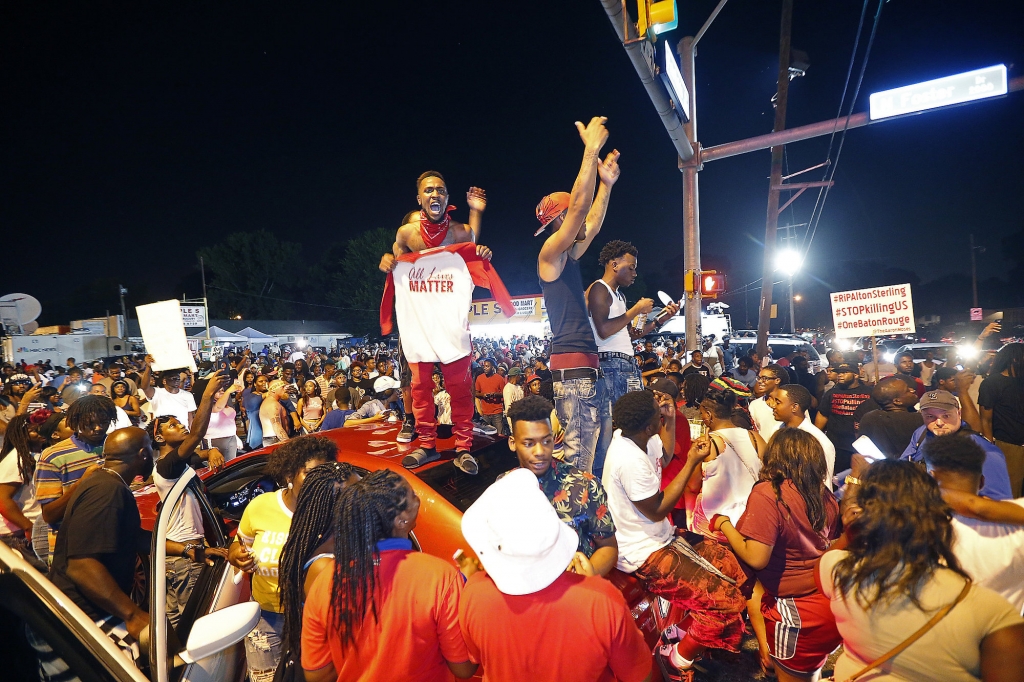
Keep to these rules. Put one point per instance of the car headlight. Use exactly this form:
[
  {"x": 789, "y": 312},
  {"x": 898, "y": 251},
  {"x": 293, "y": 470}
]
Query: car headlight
[{"x": 844, "y": 344}]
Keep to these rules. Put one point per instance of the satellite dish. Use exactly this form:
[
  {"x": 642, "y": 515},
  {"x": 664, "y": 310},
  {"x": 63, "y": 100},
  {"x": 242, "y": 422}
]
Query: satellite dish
[
  {"x": 29, "y": 327},
  {"x": 19, "y": 309},
  {"x": 665, "y": 298}
]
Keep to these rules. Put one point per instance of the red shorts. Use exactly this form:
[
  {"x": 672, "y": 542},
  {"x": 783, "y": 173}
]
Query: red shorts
[{"x": 801, "y": 631}]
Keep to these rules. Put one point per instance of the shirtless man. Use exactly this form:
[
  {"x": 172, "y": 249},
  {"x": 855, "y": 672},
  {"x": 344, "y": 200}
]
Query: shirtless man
[
  {"x": 427, "y": 228},
  {"x": 273, "y": 416}
]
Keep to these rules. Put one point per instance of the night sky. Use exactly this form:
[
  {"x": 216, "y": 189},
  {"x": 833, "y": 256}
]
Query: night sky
[{"x": 133, "y": 134}]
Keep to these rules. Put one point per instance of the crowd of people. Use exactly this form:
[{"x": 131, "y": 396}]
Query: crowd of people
[{"x": 850, "y": 506}]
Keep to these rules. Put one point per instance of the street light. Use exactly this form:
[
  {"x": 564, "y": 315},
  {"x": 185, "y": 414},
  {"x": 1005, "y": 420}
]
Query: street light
[
  {"x": 789, "y": 262},
  {"x": 798, "y": 298}
]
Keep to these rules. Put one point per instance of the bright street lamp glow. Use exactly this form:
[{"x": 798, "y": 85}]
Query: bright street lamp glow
[
  {"x": 798, "y": 297},
  {"x": 788, "y": 261}
]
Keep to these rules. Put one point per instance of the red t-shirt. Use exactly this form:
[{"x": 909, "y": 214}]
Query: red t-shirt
[
  {"x": 796, "y": 547},
  {"x": 576, "y": 629},
  {"x": 417, "y": 628},
  {"x": 491, "y": 384},
  {"x": 680, "y": 455}
]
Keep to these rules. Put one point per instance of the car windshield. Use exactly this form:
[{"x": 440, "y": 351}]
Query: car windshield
[
  {"x": 780, "y": 349},
  {"x": 940, "y": 353},
  {"x": 460, "y": 488}
]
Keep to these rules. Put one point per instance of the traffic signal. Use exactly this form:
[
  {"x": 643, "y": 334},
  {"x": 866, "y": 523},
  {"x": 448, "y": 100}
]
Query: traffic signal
[
  {"x": 659, "y": 16},
  {"x": 712, "y": 284}
]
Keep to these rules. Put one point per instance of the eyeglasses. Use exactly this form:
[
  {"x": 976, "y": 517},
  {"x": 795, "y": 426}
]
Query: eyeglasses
[{"x": 767, "y": 378}]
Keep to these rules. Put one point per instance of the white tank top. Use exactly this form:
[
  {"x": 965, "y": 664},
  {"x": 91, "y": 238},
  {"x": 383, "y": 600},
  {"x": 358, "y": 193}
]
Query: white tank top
[
  {"x": 619, "y": 341},
  {"x": 729, "y": 477}
]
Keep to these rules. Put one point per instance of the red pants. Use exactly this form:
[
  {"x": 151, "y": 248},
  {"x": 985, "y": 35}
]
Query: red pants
[{"x": 458, "y": 381}]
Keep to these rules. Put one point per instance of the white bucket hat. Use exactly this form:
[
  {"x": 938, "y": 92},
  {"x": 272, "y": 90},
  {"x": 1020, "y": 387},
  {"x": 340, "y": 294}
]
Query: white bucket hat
[{"x": 517, "y": 535}]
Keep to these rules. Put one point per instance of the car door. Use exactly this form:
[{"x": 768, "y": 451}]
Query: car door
[{"x": 214, "y": 590}]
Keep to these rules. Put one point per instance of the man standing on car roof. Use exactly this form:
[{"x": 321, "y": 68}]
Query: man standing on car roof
[{"x": 570, "y": 223}]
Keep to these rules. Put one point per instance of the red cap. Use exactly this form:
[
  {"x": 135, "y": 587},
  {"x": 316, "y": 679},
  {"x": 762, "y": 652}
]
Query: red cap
[
  {"x": 550, "y": 207},
  {"x": 530, "y": 379}
]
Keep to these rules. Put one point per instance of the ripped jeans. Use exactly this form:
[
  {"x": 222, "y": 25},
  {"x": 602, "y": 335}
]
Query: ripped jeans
[{"x": 263, "y": 646}]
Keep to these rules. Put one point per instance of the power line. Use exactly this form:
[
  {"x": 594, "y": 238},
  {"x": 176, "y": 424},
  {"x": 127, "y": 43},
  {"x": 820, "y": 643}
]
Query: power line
[
  {"x": 819, "y": 205},
  {"x": 285, "y": 300}
]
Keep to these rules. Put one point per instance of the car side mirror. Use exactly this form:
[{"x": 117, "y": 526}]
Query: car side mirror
[{"x": 219, "y": 630}]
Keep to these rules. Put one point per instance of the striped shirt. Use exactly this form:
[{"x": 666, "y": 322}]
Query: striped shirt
[{"x": 60, "y": 466}]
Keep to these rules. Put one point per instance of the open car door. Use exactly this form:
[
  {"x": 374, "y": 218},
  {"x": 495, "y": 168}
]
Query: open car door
[{"x": 218, "y": 615}]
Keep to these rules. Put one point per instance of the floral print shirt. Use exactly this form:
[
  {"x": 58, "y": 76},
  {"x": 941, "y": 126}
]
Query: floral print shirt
[{"x": 580, "y": 501}]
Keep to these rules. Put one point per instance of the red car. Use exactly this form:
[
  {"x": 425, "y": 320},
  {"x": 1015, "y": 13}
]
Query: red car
[{"x": 445, "y": 493}]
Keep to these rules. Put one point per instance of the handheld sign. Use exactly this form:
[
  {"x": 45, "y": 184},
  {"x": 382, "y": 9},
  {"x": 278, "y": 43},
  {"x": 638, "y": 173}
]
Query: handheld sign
[
  {"x": 163, "y": 332},
  {"x": 876, "y": 311}
]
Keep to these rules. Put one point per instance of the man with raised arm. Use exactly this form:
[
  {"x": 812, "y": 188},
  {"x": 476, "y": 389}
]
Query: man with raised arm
[{"x": 570, "y": 222}]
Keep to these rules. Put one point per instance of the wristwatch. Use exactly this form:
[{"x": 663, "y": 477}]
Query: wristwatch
[
  {"x": 852, "y": 480},
  {"x": 193, "y": 547}
]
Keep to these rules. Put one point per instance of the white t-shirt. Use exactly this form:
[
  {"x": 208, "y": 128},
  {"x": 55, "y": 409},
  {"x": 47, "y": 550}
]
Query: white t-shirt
[
  {"x": 826, "y": 445},
  {"x": 175, "y": 404},
  {"x": 993, "y": 554},
  {"x": 763, "y": 418},
  {"x": 25, "y": 498},
  {"x": 186, "y": 522},
  {"x": 511, "y": 393},
  {"x": 122, "y": 420},
  {"x": 630, "y": 474}
]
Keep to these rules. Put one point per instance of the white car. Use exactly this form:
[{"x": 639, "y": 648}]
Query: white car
[
  {"x": 780, "y": 346},
  {"x": 215, "y": 622},
  {"x": 943, "y": 353}
]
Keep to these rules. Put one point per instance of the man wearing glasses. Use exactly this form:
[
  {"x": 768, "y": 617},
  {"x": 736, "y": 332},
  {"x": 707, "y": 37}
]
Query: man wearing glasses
[{"x": 761, "y": 413}]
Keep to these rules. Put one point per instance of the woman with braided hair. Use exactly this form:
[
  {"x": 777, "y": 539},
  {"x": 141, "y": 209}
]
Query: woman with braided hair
[
  {"x": 387, "y": 612},
  {"x": 18, "y": 456},
  {"x": 308, "y": 552}
]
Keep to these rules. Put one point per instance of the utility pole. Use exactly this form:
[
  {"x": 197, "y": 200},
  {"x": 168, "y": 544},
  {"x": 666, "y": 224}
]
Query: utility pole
[
  {"x": 772, "y": 220},
  {"x": 124, "y": 313},
  {"x": 974, "y": 274},
  {"x": 206, "y": 303}
]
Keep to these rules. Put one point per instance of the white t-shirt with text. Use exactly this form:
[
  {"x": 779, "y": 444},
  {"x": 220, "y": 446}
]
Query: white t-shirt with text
[{"x": 630, "y": 474}]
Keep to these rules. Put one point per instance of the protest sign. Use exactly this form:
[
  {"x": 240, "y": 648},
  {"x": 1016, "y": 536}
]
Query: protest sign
[
  {"x": 875, "y": 311},
  {"x": 163, "y": 332}
]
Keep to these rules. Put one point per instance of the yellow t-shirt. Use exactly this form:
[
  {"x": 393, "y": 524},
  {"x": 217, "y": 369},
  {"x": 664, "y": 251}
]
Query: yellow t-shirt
[{"x": 264, "y": 530}]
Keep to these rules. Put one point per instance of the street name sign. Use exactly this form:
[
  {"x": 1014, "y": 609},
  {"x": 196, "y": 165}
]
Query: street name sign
[
  {"x": 876, "y": 311},
  {"x": 941, "y": 92}
]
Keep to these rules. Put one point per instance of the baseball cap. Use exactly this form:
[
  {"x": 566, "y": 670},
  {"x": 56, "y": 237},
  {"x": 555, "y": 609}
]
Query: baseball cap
[
  {"x": 844, "y": 367},
  {"x": 533, "y": 377},
  {"x": 940, "y": 399},
  {"x": 550, "y": 207},
  {"x": 381, "y": 384},
  {"x": 515, "y": 371},
  {"x": 19, "y": 379},
  {"x": 518, "y": 536},
  {"x": 276, "y": 385},
  {"x": 665, "y": 385}
]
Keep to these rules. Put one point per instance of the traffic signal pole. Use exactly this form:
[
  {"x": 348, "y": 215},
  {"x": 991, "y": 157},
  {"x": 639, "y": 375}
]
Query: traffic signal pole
[{"x": 692, "y": 156}]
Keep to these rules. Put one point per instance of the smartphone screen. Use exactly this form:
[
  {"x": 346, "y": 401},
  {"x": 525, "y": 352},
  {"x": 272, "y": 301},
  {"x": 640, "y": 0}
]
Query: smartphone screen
[{"x": 869, "y": 450}]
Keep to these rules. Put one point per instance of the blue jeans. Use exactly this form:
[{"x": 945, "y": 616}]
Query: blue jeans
[
  {"x": 263, "y": 647},
  {"x": 578, "y": 405},
  {"x": 621, "y": 375}
]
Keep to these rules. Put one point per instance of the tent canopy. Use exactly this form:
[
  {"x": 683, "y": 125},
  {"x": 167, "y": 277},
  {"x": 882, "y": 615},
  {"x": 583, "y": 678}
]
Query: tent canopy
[
  {"x": 218, "y": 334},
  {"x": 255, "y": 335}
]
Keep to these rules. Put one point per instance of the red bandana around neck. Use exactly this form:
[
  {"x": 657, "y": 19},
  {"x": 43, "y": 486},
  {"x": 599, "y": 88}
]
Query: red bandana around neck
[{"x": 432, "y": 233}]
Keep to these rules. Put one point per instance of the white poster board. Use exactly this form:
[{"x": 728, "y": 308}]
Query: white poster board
[
  {"x": 163, "y": 332},
  {"x": 876, "y": 311}
]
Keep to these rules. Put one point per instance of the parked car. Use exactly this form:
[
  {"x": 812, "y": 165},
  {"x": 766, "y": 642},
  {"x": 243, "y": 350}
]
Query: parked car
[
  {"x": 780, "y": 347},
  {"x": 216, "y": 620},
  {"x": 943, "y": 353}
]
